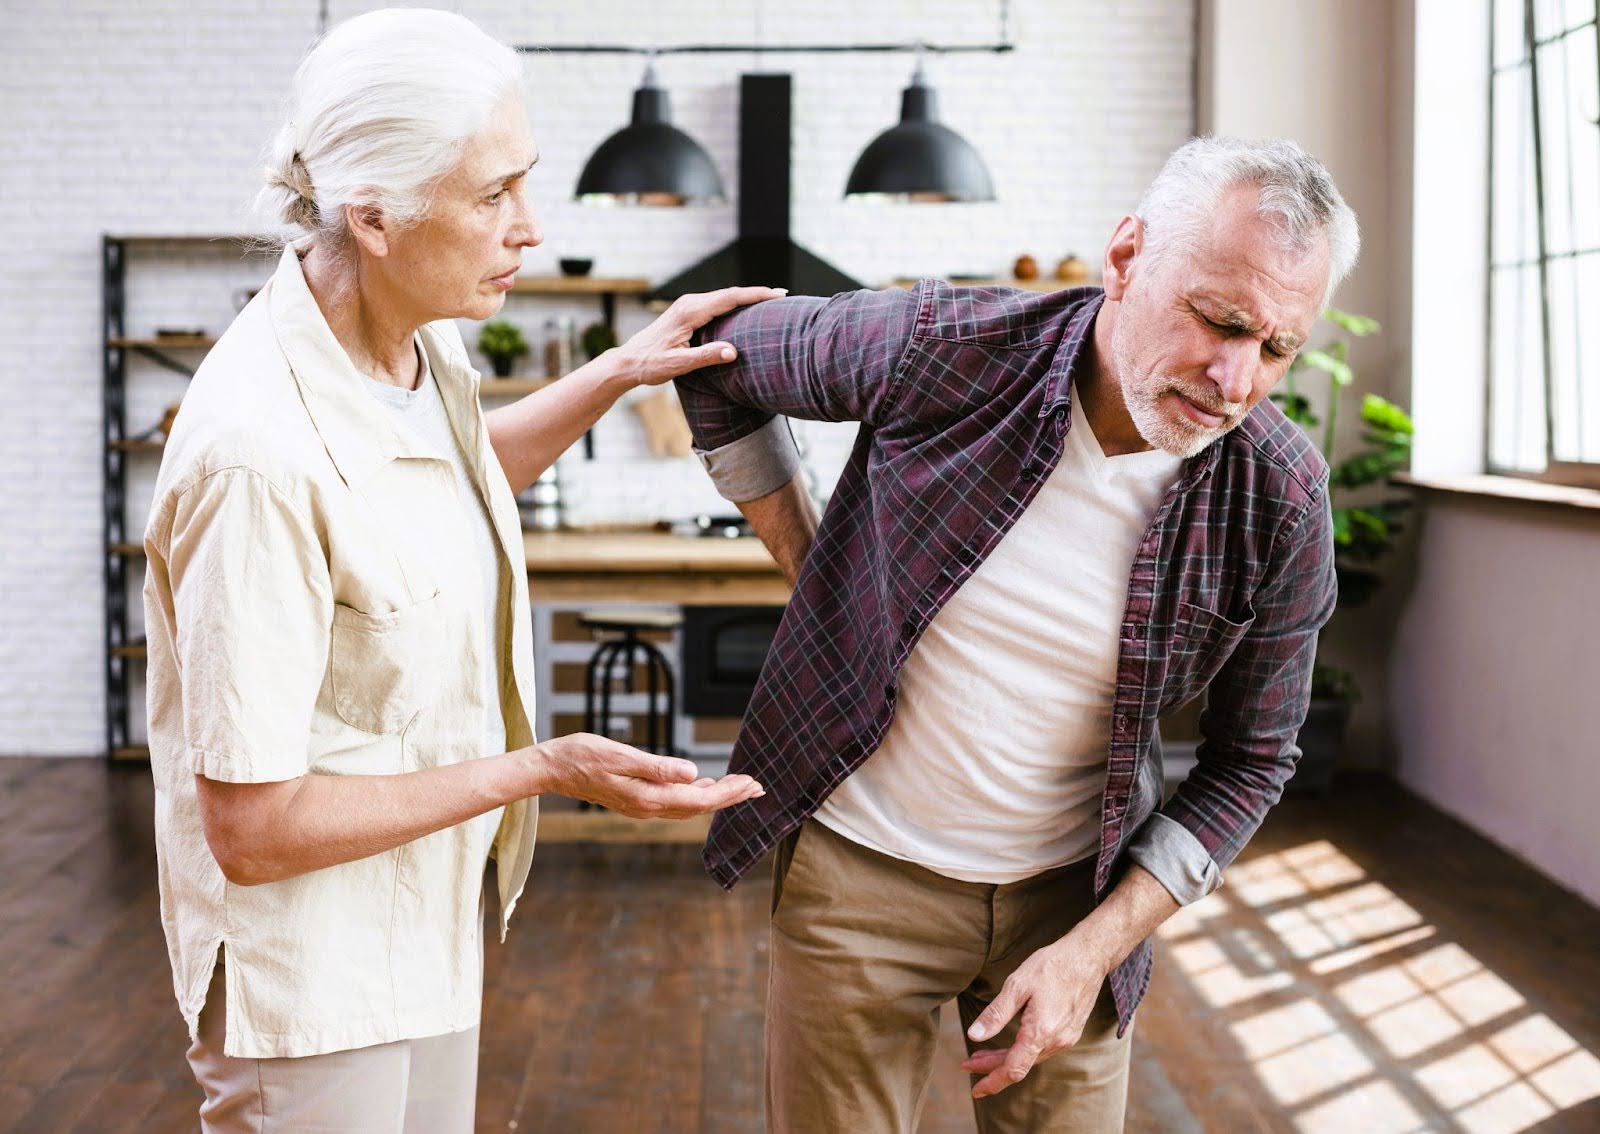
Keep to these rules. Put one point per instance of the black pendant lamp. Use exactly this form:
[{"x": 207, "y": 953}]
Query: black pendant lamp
[
  {"x": 649, "y": 161},
  {"x": 920, "y": 159}
]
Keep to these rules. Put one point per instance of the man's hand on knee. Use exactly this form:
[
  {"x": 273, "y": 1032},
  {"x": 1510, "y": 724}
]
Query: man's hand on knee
[{"x": 1055, "y": 990}]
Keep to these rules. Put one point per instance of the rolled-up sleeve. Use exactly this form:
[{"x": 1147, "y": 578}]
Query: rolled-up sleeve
[
  {"x": 1178, "y": 860},
  {"x": 832, "y": 359},
  {"x": 1254, "y": 710},
  {"x": 251, "y": 610},
  {"x": 756, "y": 464}
]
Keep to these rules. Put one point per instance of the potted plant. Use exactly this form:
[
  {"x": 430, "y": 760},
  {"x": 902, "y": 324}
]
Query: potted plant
[
  {"x": 1365, "y": 524},
  {"x": 502, "y": 344},
  {"x": 597, "y": 339}
]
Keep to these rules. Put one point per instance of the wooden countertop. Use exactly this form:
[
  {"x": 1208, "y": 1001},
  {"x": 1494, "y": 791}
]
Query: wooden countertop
[
  {"x": 643, "y": 551},
  {"x": 651, "y": 567}
]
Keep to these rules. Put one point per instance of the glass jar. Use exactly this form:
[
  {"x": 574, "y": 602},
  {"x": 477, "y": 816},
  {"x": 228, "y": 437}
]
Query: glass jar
[{"x": 560, "y": 351}]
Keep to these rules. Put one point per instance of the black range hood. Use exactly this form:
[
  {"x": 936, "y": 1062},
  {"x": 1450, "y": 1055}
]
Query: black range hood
[{"x": 762, "y": 253}]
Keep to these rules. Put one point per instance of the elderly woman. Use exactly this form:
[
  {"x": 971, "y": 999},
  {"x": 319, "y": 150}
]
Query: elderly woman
[{"x": 340, "y": 681}]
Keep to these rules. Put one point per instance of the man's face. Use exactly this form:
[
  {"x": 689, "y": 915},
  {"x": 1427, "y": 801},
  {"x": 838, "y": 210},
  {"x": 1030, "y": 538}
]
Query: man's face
[{"x": 1205, "y": 334}]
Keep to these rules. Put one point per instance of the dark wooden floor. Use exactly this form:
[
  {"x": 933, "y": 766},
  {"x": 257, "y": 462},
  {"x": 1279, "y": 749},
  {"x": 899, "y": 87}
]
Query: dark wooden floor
[{"x": 1371, "y": 967}]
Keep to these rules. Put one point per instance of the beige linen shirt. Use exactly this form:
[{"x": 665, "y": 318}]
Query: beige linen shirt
[{"x": 309, "y": 607}]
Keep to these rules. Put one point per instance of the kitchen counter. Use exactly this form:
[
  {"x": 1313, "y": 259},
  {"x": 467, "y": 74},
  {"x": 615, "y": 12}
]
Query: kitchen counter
[{"x": 651, "y": 567}]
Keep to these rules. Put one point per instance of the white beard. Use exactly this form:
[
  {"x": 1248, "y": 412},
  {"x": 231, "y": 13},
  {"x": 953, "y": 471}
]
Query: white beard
[{"x": 1172, "y": 433}]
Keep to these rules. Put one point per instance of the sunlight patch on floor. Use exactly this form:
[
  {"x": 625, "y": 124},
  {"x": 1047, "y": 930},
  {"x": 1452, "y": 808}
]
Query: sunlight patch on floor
[{"x": 1419, "y": 1029}]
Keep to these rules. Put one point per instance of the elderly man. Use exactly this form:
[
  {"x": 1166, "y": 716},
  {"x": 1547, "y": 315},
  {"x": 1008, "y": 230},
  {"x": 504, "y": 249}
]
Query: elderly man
[{"x": 1065, "y": 515}]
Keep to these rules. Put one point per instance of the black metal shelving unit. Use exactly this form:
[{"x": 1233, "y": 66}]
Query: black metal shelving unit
[{"x": 122, "y": 651}]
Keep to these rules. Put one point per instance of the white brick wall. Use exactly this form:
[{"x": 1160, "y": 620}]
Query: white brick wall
[{"x": 149, "y": 116}]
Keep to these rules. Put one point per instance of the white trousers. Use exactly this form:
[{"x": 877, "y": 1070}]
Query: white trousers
[{"x": 419, "y": 1086}]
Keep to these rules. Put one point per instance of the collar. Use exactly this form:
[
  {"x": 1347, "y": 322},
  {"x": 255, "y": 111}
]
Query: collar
[
  {"x": 1073, "y": 355},
  {"x": 359, "y": 436}
]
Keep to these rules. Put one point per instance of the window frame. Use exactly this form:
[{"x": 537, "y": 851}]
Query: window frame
[{"x": 1582, "y": 473}]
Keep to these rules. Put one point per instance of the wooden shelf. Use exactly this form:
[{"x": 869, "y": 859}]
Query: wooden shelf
[
  {"x": 131, "y": 754},
  {"x": 512, "y": 387},
  {"x": 131, "y": 650},
  {"x": 648, "y": 551},
  {"x": 580, "y": 285},
  {"x": 130, "y": 445},
  {"x": 204, "y": 238},
  {"x": 189, "y": 342}
]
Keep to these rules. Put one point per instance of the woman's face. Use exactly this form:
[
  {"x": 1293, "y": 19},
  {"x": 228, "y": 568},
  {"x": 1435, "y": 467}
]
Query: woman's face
[{"x": 459, "y": 263}]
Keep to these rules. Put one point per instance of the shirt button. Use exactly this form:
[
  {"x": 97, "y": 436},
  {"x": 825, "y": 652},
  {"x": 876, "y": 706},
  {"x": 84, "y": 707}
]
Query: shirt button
[
  {"x": 908, "y": 628},
  {"x": 888, "y": 691},
  {"x": 1030, "y": 474},
  {"x": 1122, "y": 723}
]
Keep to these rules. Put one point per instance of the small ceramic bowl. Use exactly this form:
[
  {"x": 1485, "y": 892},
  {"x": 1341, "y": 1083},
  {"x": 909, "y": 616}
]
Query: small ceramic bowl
[{"x": 571, "y": 267}]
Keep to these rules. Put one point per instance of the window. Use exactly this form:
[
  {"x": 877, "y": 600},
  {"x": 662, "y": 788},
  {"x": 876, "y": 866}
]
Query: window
[{"x": 1544, "y": 240}]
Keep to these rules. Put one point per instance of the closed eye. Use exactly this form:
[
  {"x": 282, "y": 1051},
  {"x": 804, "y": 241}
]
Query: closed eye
[{"x": 1269, "y": 348}]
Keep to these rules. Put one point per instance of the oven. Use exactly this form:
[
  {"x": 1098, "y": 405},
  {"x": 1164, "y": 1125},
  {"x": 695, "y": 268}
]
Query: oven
[{"x": 724, "y": 648}]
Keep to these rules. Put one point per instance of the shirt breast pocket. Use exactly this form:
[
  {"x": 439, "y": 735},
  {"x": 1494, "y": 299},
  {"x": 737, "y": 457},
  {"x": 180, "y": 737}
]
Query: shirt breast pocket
[
  {"x": 1202, "y": 641},
  {"x": 384, "y": 665}
]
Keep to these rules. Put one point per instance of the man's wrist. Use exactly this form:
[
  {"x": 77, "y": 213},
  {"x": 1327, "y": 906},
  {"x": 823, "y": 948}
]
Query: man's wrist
[
  {"x": 1133, "y": 910},
  {"x": 1095, "y": 941}
]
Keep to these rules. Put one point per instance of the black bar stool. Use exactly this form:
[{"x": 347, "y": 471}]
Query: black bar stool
[{"x": 622, "y": 650}]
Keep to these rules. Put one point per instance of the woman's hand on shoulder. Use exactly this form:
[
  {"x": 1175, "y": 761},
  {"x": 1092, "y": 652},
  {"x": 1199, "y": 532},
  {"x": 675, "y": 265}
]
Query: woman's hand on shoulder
[
  {"x": 662, "y": 351},
  {"x": 634, "y": 783}
]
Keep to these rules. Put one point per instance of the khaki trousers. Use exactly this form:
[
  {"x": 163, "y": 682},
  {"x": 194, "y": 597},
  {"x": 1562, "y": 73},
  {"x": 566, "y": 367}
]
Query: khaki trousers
[
  {"x": 420, "y": 1086},
  {"x": 865, "y": 950}
]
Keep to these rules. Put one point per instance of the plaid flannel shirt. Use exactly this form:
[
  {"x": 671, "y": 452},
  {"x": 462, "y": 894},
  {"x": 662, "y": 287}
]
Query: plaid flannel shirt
[{"x": 963, "y": 399}]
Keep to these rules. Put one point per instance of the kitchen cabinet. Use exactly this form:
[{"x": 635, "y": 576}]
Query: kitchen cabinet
[{"x": 569, "y": 572}]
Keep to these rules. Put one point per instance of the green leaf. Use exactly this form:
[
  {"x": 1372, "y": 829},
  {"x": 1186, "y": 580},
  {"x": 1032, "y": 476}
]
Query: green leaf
[
  {"x": 1371, "y": 534},
  {"x": 1341, "y": 526},
  {"x": 1335, "y": 368},
  {"x": 1297, "y": 408},
  {"x": 500, "y": 339},
  {"x": 1364, "y": 468},
  {"x": 1397, "y": 445},
  {"x": 1358, "y": 325},
  {"x": 1381, "y": 413},
  {"x": 1367, "y": 524}
]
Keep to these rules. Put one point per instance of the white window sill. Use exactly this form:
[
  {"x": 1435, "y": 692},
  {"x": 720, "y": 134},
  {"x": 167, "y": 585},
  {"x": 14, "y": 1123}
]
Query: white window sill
[{"x": 1506, "y": 488}]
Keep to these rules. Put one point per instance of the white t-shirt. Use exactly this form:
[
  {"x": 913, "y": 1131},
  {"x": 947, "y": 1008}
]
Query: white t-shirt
[
  {"x": 995, "y": 763},
  {"x": 422, "y": 411}
]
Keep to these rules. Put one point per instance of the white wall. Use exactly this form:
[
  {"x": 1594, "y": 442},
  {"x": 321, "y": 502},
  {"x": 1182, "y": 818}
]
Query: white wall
[
  {"x": 150, "y": 116},
  {"x": 1334, "y": 75},
  {"x": 1494, "y": 679},
  {"x": 1479, "y": 659},
  {"x": 1494, "y": 663}
]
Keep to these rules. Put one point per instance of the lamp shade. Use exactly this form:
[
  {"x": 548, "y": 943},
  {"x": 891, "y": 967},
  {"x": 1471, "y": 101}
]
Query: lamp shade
[
  {"x": 920, "y": 159},
  {"x": 649, "y": 161}
]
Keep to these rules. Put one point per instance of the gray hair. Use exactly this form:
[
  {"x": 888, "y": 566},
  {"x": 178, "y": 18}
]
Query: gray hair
[
  {"x": 379, "y": 112},
  {"x": 1298, "y": 197}
]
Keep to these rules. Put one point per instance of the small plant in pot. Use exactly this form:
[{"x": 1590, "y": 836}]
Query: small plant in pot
[
  {"x": 597, "y": 339},
  {"x": 502, "y": 344},
  {"x": 1365, "y": 523}
]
